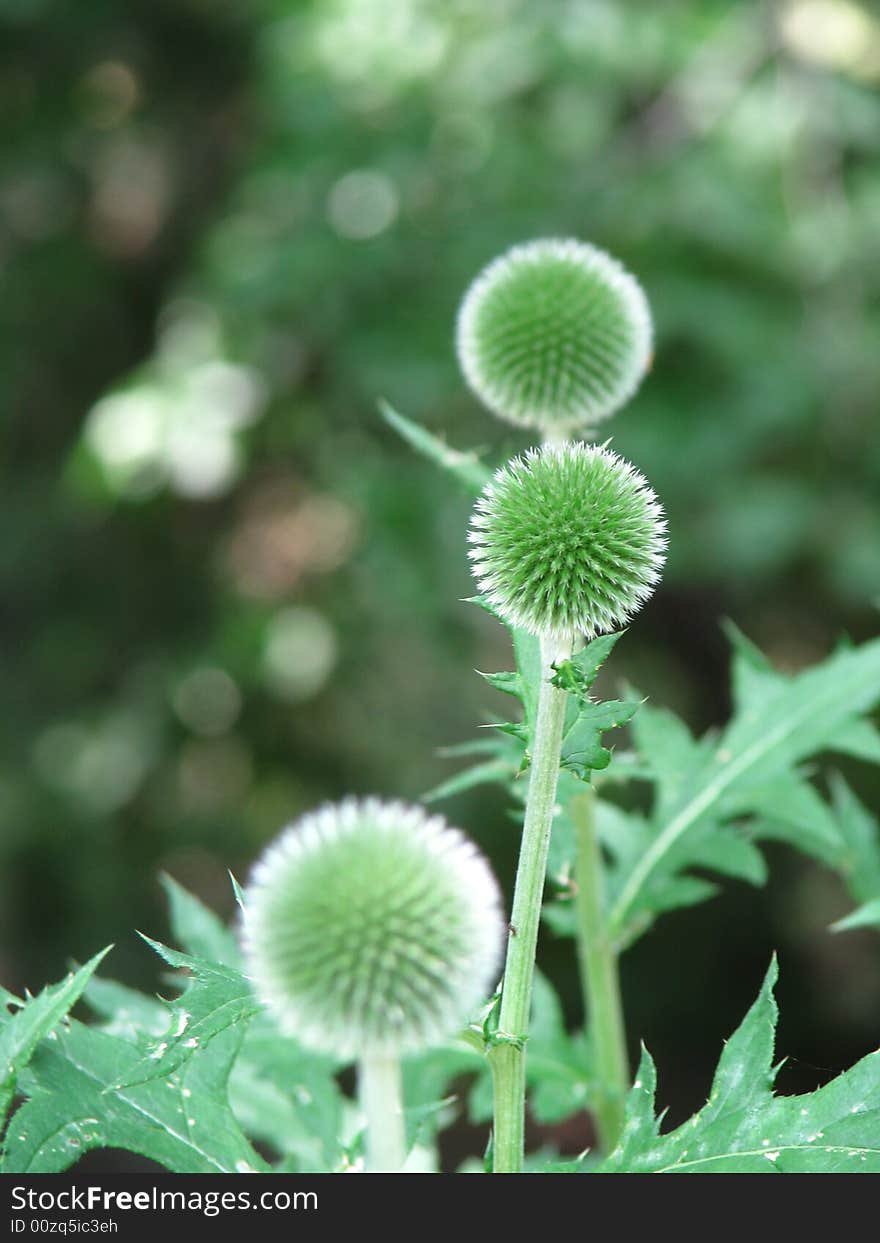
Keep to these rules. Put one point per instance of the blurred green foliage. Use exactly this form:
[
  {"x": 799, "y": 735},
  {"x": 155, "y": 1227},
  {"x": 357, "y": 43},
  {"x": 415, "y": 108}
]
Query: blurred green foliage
[{"x": 227, "y": 590}]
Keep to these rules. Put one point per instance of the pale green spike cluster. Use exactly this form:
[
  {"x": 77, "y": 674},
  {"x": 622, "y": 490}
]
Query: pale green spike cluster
[
  {"x": 554, "y": 334},
  {"x": 567, "y": 540},
  {"x": 372, "y": 928}
]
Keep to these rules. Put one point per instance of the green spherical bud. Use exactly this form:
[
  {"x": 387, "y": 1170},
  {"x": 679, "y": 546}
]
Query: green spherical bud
[
  {"x": 567, "y": 540},
  {"x": 555, "y": 335},
  {"x": 372, "y": 928}
]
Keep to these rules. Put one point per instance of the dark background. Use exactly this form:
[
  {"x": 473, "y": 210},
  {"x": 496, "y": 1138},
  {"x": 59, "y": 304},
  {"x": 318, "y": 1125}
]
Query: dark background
[{"x": 227, "y": 592}]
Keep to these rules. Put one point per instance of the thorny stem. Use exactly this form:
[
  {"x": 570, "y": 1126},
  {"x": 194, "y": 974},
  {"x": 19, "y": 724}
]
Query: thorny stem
[
  {"x": 381, "y": 1095},
  {"x": 600, "y": 979},
  {"x": 508, "y": 1056}
]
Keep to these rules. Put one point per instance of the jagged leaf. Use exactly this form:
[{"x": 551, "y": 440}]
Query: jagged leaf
[
  {"x": 487, "y": 773},
  {"x": 578, "y": 673},
  {"x": 586, "y": 720},
  {"x": 34, "y": 1019},
  {"x": 125, "y": 1012},
  {"x": 527, "y": 651},
  {"x": 859, "y": 738},
  {"x": 673, "y": 755},
  {"x": 750, "y": 770},
  {"x": 507, "y": 683},
  {"x": 582, "y": 749},
  {"x": 789, "y": 809},
  {"x": 183, "y": 1121},
  {"x": 866, "y": 916},
  {"x": 288, "y": 1098},
  {"x": 216, "y": 998},
  {"x": 197, "y": 929},
  {"x": 744, "y": 1128},
  {"x": 860, "y": 833}
]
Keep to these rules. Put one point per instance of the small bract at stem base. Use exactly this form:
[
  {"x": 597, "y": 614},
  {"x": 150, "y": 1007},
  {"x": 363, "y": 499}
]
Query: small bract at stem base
[
  {"x": 381, "y": 1095},
  {"x": 508, "y": 1055}
]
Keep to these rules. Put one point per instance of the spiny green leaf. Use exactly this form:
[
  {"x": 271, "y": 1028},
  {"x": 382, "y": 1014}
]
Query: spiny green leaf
[
  {"x": 582, "y": 750},
  {"x": 423, "y": 1121},
  {"x": 529, "y": 666},
  {"x": 744, "y": 1128},
  {"x": 625, "y": 836},
  {"x": 575, "y": 1166},
  {"x": 197, "y": 928},
  {"x": 744, "y": 1075},
  {"x": 215, "y": 999},
  {"x": 527, "y": 651},
  {"x": 562, "y": 1069},
  {"x": 789, "y": 809},
  {"x": 489, "y": 773},
  {"x": 779, "y": 722},
  {"x": 34, "y": 1020},
  {"x": 465, "y": 467},
  {"x": 126, "y": 1012},
  {"x": 183, "y": 1121},
  {"x": 508, "y": 760},
  {"x": 677, "y": 892},
  {"x": 867, "y": 916},
  {"x": 507, "y": 683},
  {"x": 859, "y": 738},
  {"x": 860, "y": 832},
  {"x": 287, "y": 1097},
  {"x": 578, "y": 673},
  {"x": 753, "y": 678},
  {"x": 484, "y": 603},
  {"x": 667, "y": 745},
  {"x": 586, "y": 720},
  {"x": 435, "y": 1074},
  {"x": 728, "y": 850},
  {"x": 504, "y": 759},
  {"x": 641, "y": 1127}
]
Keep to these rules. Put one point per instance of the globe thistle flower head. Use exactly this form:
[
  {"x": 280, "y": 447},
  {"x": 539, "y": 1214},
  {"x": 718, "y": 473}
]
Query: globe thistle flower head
[
  {"x": 372, "y": 927},
  {"x": 567, "y": 540},
  {"x": 554, "y": 334}
]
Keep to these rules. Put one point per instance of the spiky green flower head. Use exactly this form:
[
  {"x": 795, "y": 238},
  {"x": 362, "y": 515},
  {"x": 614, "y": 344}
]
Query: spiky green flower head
[
  {"x": 554, "y": 334},
  {"x": 567, "y": 540},
  {"x": 372, "y": 927}
]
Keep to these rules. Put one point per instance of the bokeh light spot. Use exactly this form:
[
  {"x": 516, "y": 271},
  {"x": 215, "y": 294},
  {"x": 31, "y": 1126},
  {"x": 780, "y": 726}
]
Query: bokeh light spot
[
  {"x": 362, "y": 204},
  {"x": 207, "y": 701},
  {"x": 300, "y": 653}
]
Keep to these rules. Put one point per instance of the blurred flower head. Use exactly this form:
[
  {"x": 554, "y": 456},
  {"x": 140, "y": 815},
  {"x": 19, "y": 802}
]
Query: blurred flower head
[
  {"x": 372, "y": 927},
  {"x": 554, "y": 335}
]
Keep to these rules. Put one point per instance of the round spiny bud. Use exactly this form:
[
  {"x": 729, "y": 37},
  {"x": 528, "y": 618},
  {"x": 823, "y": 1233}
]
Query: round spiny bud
[
  {"x": 567, "y": 540},
  {"x": 372, "y": 927},
  {"x": 555, "y": 335}
]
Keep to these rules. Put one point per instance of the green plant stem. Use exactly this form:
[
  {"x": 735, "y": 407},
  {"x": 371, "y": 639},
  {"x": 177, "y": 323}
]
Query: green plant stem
[
  {"x": 381, "y": 1094},
  {"x": 508, "y": 1055},
  {"x": 600, "y": 977}
]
